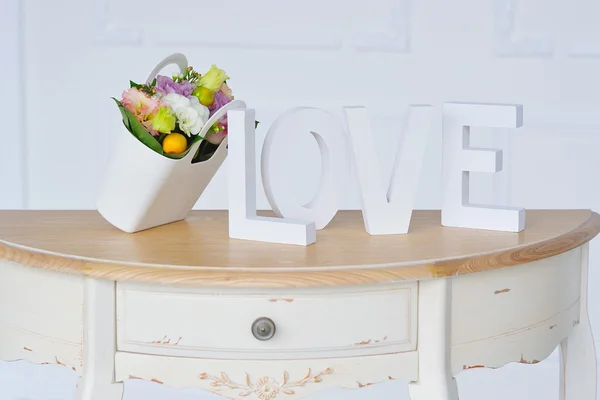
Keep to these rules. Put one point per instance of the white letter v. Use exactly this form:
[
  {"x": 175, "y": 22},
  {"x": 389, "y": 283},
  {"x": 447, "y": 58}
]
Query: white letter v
[{"x": 386, "y": 214}]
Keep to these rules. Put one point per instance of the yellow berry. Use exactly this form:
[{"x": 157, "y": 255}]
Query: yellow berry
[
  {"x": 174, "y": 143},
  {"x": 205, "y": 96}
]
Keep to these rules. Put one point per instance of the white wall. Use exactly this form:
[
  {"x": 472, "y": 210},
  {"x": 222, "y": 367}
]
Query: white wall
[{"x": 61, "y": 61}]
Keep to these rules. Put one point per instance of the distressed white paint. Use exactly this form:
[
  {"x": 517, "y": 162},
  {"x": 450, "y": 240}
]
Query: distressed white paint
[
  {"x": 459, "y": 159},
  {"x": 435, "y": 376},
  {"x": 579, "y": 369},
  {"x": 504, "y": 289},
  {"x": 550, "y": 321},
  {"x": 546, "y": 312},
  {"x": 528, "y": 346},
  {"x": 388, "y": 210},
  {"x": 41, "y": 317},
  {"x": 99, "y": 325},
  {"x": 370, "y": 326},
  {"x": 30, "y": 295},
  {"x": 425, "y": 336},
  {"x": 335, "y": 165},
  {"x": 347, "y": 373},
  {"x": 13, "y": 160},
  {"x": 20, "y": 344},
  {"x": 243, "y": 220}
]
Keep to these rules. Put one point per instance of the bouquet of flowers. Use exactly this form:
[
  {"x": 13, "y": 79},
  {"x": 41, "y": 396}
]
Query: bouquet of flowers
[{"x": 169, "y": 114}]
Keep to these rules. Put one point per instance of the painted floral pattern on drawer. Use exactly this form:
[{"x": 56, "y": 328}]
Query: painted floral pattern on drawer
[{"x": 266, "y": 388}]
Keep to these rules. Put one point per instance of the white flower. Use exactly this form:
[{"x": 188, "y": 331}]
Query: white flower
[
  {"x": 189, "y": 120},
  {"x": 191, "y": 115},
  {"x": 176, "y": 101},
  {"x": 203, "y": 111}
]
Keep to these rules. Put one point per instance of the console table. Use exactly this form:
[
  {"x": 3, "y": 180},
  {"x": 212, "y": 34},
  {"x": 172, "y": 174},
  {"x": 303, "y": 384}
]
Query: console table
[{"x": 185, "y": 306}]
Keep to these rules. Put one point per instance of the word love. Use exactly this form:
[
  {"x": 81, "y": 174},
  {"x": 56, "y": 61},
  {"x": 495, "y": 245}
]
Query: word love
[{"x": 386, "y": 210}]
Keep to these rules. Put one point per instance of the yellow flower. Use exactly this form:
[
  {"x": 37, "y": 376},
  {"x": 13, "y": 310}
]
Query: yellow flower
[
  {"x": 163, "y": 121},
  {"x": 213, "y": 79}
]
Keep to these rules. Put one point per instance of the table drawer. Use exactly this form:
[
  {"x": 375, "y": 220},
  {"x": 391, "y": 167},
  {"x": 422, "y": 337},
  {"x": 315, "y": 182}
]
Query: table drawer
[{"x": 308, "y": 323}]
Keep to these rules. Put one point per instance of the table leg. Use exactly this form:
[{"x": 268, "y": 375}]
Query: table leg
[
  {"x": 578, "y": 353},
  {"x": 435, "y": 375},
  {"x": 99, "y": 343}
]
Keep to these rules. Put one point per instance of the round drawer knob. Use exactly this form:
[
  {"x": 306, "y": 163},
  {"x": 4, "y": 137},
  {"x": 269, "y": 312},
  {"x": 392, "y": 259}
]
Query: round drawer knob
[{"x": 263, "y": 329}]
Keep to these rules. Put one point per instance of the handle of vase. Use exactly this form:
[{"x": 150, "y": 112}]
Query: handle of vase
[{"x": 177, "y": 58}]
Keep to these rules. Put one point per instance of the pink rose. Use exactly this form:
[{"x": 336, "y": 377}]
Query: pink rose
[{"x": 139, "y": 103}]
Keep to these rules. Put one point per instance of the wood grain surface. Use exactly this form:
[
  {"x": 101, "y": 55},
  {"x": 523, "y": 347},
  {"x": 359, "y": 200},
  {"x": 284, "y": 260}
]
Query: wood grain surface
[{"x": 198, "y": 251}]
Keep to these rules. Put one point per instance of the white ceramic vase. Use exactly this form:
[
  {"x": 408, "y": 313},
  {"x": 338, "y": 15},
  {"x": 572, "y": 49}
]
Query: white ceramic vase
[{"x": 144, "y": 189}]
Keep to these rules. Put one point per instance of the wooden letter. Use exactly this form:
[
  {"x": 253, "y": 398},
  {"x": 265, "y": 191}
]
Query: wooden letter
[
  {"x": 335, "y": 162},
  {"x": 459, "y": 159},
  {"x": 243, "y": 221},
  {"x": 389, "y": 213}
]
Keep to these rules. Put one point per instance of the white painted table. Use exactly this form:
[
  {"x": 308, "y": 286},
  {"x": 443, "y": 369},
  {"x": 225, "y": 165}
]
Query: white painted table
[{"x": 176, "y": 304}]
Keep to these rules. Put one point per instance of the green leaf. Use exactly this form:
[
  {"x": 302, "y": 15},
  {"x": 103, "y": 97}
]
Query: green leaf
[
  {"x": 256, "y": 124},
  {"x": 137, "y": 129},
  {"x": 135, "y": 85},
  {"x": 125, "y": 117},
  {"x": 153, "y": 83},
  {"x": 143, "y": 135},
  {"x": 197, "y": 139}
]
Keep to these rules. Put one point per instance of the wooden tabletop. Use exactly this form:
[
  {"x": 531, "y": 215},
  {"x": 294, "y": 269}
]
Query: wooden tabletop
[{"x": 198, "y": 251}]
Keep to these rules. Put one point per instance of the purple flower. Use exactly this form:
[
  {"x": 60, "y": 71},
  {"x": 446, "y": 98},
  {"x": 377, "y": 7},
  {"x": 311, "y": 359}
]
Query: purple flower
[
  {"x": 220, "y": 100},
  {"x": 166, "y": 85}
]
